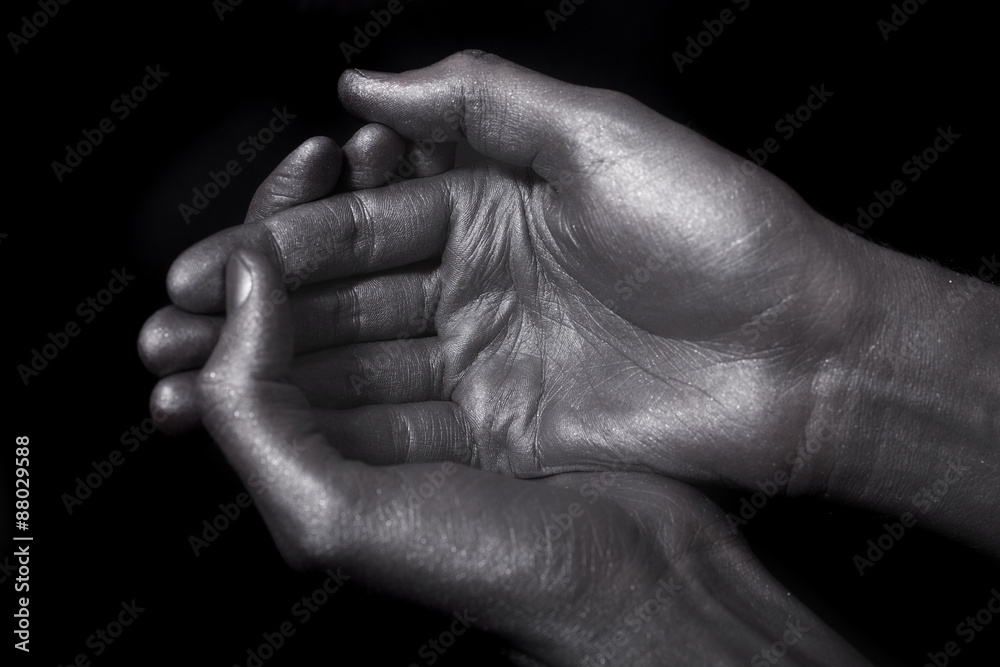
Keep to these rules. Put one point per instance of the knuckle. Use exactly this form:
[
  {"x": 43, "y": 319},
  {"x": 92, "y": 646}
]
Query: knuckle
[
  {"x": 403, "y": 438},
  {"x": 474, "y": 58},
  {"x": 356, "y": 233}
]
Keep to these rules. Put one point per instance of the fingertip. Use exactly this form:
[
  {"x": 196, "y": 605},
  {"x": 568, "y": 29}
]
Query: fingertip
[
  {"x": 371, "y": 156},
  {"x": 153, "y": 340},
  {"x": 194, "y": 293},
  {"x": 315, "y": 166},
  {"x": 196, "y": 280},
  {"x": 172, "y": 340},
  {"x": 347, "y": 82},
  {"x": 316, "y": 161},
  {"x": 315, "y": 148},
  {"x": 503, "y": 110},
  {"x": 308, "y": 173},
  {"x": 374, "y": 136},
  {"x": 174, "y": 401},
  {"x": 355, "y": 85}
]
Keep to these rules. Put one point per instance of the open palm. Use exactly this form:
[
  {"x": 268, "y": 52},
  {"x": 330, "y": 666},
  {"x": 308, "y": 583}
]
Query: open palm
[
  {"x": 615, "y": 291},
  {"x": 609, "y": 296},
  {"x": 573, "y": 569}
]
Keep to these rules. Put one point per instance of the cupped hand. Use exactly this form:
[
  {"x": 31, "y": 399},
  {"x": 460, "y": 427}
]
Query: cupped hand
[
  {"x": 174, "y": 341},
  {"x": 610, "y": 291},
  {"x": 573, "y": 569}
]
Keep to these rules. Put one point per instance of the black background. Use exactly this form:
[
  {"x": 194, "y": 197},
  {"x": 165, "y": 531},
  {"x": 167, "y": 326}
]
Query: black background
[{"x": 119, "y": 208}]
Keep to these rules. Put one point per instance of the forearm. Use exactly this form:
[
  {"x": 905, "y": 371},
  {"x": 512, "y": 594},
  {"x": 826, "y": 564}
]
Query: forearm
[{"x": 923, "y": 398}]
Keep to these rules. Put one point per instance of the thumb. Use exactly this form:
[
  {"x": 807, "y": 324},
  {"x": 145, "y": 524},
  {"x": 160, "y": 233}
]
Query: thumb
[
  {"x": 505, "y": 111},
  {"x": 261, "y": 422},
  {"x": 446, "y": 535},
  {"x": 307, "y": 174}
]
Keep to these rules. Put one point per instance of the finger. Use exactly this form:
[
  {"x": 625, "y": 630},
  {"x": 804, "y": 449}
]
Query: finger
[
  {"x": 505, "y": 111},
  {"x": 405, "y": 371},
  {"x": 263, "y": 425},
  {"x": 384, "y": 306},
  {"x": 395, "y": 434},
  {"x": 371, "y": 157},
  {"x": 448, "y": 535},
  {"x": 173, "y": 340},
  {"x": 307, "y": 174},
  {"x": 347, "y": 377},
  {"x": 377, "y": 155},
  {"x": 349, "y": 234},
  {"x": 174, "y": 401}
]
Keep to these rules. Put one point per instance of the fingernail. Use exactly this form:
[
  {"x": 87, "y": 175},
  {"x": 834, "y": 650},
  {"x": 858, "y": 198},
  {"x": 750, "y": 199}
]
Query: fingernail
[
  {"x": 370, "y": 74},
  {"x": 239, "y": 282}
]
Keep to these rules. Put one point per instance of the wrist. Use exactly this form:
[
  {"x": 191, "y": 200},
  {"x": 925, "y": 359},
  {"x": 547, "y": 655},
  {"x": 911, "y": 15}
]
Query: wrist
[
  {"x": 724, "y": 602},
  {"x": 916, "y": 393}
]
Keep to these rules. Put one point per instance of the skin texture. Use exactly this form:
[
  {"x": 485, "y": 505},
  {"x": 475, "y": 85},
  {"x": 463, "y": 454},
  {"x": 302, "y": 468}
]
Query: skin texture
[
  {"x": 607, "y": 305},
  {"x": 537, "y": 329},
  {"x": 575, "y": 568}
]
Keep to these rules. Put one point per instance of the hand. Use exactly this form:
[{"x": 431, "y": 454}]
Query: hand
[
  {"x": 617, "y": 293},
  {"x": 573, "y": 569},
  {"x": 174, "y": 341}
]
